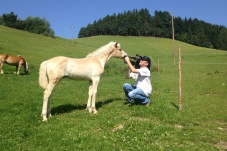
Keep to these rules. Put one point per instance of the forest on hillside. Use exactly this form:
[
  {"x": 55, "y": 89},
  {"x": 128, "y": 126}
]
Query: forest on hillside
[{"x": 141, "y": 23}]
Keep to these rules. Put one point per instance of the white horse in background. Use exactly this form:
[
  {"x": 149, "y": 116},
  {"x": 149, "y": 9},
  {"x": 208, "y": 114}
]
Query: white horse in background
[{"x": 90, "y": 68}]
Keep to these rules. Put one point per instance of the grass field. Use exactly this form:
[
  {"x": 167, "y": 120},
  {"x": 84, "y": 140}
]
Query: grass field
[{"x": 201, "y": 125}]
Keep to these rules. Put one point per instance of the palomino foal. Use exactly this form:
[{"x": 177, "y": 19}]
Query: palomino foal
[
  {"x": 90, "y": 68},
  {"x": 17, "y": 61}
]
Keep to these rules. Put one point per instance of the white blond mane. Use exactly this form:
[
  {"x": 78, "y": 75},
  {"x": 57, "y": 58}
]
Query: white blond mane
[{"x": 102, "y": 50}]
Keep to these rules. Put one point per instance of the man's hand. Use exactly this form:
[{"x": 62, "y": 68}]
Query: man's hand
[
  {"x": 131, "y": 67},
  {"x": 127, "y": 59}
]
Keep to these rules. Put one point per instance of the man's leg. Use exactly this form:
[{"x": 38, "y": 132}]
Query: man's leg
[
  {"x": 128, "y": 88},
  {"x": 138, "y": 95}
]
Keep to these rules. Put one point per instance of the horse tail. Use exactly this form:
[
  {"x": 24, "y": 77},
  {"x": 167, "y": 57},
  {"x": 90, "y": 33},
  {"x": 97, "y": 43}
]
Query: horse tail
[
  {"x": 43, "y": 81},
  {"x": 26, "y": 67}
]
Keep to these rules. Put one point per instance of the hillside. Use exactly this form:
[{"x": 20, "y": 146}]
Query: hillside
[
  {"x": 201, "y": 125},
  {"x": 18, "y": 42}
]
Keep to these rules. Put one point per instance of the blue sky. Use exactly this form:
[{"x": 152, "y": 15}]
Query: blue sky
[{"x": 62, "y": 15}]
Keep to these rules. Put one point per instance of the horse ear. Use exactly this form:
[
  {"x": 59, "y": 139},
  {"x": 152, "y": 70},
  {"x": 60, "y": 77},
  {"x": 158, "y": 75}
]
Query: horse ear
[{"x": 116, "y": 44}]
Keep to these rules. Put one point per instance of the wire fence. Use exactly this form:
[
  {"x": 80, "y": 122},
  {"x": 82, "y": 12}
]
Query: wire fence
[
  {"x": 204, "y": 63},
  {"x": 193, "y": 59}
]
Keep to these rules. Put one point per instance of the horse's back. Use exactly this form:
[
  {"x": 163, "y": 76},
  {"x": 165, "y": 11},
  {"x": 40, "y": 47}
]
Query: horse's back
[
  {"x": 15, "y": 59},
  {"x": 57, "y": 63},
  {"x": 85, "y": 68},
  {"x": 75, "y": 68},
  {"x": 12, "y": 60},
  {"x": 54, "y": 67}
]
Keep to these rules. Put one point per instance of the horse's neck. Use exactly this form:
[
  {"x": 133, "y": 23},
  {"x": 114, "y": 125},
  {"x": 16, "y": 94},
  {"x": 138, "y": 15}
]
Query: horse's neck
[{"x": 104, "y": 59}]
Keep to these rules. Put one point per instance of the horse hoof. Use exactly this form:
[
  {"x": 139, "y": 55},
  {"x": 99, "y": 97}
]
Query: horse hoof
[
  {"x": 89, "y": 110},
  {"x": 95, "y": 112},
  {"x": 44, "y": 119}
]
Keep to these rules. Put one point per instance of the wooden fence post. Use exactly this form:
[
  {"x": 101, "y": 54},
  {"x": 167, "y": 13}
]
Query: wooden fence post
[
  {"x": 158, "y": 68},
  {"x": 180, "y": 80}
]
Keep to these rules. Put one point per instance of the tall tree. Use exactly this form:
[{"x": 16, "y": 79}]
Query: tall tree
[{"x": 9, "y": 20}]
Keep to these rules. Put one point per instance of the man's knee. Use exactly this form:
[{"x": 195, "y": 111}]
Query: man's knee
[
  {"x": 125, "y": 86},
  {"x": 131, "y": 94}
]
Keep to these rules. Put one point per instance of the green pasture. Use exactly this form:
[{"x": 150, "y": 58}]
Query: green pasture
[{"x": 201, "y": 125}]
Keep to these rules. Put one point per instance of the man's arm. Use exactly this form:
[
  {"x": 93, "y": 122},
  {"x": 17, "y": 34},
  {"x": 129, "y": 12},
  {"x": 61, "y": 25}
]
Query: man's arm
[
  {"x": 128, "y": 74},
  {"x": 131, "y": 67}
]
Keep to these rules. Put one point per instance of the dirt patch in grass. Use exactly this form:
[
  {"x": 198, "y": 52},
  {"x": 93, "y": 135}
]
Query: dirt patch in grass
[
  {"x": 178, "y": 126},
  {"x": 118, "y": 127},
  {"x": 221, "y": 145},
  {"x": 140, "y": 119}
]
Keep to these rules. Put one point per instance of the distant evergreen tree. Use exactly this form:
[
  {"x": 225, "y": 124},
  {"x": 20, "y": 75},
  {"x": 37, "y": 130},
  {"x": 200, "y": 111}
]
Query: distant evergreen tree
[{"x": 222, "y": 38}]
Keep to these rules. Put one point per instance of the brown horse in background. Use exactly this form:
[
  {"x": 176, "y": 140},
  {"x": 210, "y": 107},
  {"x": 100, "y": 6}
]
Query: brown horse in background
[{"x": 17, "y": 61}]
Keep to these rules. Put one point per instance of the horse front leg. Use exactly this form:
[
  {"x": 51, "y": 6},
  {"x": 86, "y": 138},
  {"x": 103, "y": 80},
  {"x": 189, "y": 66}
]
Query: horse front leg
[
  {"x": 1, "y": 66},
  {"x": 94, "y": 93},
  {"x": 89, "y": 97}
]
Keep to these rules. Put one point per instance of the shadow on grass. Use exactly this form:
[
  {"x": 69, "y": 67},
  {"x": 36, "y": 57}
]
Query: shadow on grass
[
  {"x": 177, "y": 107},
  {"x": 67, "y": 108},
  {"x": 21, "y": 74}
]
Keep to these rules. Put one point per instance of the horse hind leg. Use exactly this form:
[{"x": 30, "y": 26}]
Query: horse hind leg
[
  {"x": 18, "y": 69},
  {"x": 46, "y": 101},
  {"x": 48, "y": 109}
]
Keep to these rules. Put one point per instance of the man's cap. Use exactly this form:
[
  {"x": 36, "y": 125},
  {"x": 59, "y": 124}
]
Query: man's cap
[{"x": 146, "y": 58}]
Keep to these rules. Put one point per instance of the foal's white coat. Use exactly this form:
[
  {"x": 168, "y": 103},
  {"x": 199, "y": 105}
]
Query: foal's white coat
[{"x": 89, "y": 68}]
